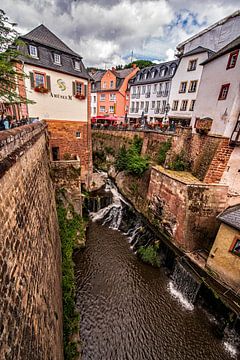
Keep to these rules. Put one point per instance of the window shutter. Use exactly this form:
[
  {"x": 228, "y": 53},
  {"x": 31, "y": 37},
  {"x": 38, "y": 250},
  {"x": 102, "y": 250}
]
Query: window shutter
[
  {"x": 48, "y": 83},
  {"x": 74, "y": 88},
  {"x": 85, "y": 90},
  {"x": 31, "y": 79}
]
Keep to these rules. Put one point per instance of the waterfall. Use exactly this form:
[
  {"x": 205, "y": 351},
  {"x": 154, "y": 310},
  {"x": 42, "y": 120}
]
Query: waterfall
[
  {"x": 231, "y": 342},
  {"x": 184, "y": 286},
  {"x": 112, "y": 214}
]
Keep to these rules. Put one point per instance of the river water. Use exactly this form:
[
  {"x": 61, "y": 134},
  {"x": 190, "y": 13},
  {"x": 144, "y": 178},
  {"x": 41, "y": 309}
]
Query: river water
[{"x": 127, "y": 310}]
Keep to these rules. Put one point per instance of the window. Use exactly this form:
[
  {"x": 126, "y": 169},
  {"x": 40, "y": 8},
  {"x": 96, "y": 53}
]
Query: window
[
  {"x": 55, "y": 153},
  {"x": 153, "y": 74},
  {"x": 143, "y": 89},
  {"x": 184, "y": 105},
  {"x": 163, "y": 72},
  {"x": 102, "y": 97},
  {"x": 172, "y": 70},
  {"x": 146, "y": 106},
  {"x": 164, "y": 104},
  {"x": 137, "y": 106},
  {"x": 223, "y": 92},
  {"x": 39, "y": 79},
  {"x": 149, "y": 89},
  {"x": 111, "y": 109},
  {"x": 111, "y": 84},
  {"x": 192, "y": 65},
  {"x": 192, "y": 104},
  {"x": 77, "y": 65},
  {"x": 94, "y": 98},
  {"x": 33, "y": 51},
  {"x": 145, "y": 76},
  {"x": 192, "y": 86},
  {"x": 235, "y": 247},
  {"x": 158, "y": 104},
  {"x": 112, "y": 97},
  {"x": 142, "y": 105},
  {"x": 153, "y": 104},
  {"x": 78, "y": 134},
  {"x": 175, "y": 105},
  {"x": 154, "y": 88},
  {"x": 78, "y": 87},
  {"x": 134, "y": 90},
  {"x": 183, "y": 87},
  {"x": 102, "y": 108},
  {"x": 232, "y": 59},
  {"x": 57, "y": 59},
  {"x": 104, "y": 85}
]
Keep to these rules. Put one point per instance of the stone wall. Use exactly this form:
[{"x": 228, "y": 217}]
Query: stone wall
[
  {"x": 63, "y": 136},
  {"x": 181, "y": 207},
  {"x": 197, "y": 149},
  {"x": 30, "y": 256}
]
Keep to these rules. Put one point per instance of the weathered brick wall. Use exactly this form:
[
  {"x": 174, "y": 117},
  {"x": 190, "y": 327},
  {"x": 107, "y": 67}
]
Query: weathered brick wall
[
  {"x": 219, "y": 162},
  {"x": 63, "y": 135},
  {"x": 30, "y": 257},
  {"x": 199, "y": 150}
]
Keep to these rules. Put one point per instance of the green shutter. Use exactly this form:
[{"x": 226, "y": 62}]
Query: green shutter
[
  {"x": 74, "y": 88},
  {"x": 48, "y": 83},
  {"x": 85, "y": 90},
  {"x": 31, "y": 79}
]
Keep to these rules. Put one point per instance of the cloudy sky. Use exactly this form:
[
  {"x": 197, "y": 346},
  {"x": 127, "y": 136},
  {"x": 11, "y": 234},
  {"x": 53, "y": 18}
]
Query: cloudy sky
[{"x": 106, "y": 32}]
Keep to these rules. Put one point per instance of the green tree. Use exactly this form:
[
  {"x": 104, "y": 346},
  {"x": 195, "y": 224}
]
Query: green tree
[
  {"x": 9, "y": 54},
  {"x": 140, "y": 63}
]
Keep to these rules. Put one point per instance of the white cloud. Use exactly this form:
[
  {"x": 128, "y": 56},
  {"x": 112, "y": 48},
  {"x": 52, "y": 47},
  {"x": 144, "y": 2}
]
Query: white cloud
[{"x": 105, "y": 32}]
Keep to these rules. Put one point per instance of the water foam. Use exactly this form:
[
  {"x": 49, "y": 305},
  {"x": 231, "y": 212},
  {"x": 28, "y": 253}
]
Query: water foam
[{"x": 180, "y": 297}]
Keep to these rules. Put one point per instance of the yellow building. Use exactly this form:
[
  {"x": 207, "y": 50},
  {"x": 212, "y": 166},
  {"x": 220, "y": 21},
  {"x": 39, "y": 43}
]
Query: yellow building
[{"x": 224, "y": 258}]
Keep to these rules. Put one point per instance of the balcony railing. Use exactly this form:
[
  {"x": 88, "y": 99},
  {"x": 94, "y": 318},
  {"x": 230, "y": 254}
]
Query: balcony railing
[
  {"x": 138, "y": 96},
  {"x": 146, "y": 110},
  {"x": 165, "y": 93},
  {"x": 156, "y": 111},
  {"x": 132, "y": 110},
  {"x": 147, "y": 95},
  {"x": 159, "y": 93},
  {"x": 134, "y": 96}
]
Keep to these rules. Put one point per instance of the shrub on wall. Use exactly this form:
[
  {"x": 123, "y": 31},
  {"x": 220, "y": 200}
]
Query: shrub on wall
[
  {"x": 130, "y": 160},
  {"x": 149, "y": 255},
  {"x": 71, "y": 227},
  {"x": 180, "y": 163},
  {"x": 162, "y": 154}
]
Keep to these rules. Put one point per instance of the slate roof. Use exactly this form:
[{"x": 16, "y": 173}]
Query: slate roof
[
  {"x": 123, "y": 73},
  {"x": 198, "y": 50},
  {"x": 157, "y": 70},
  {"x": 120, "y": 76},
  {"x": 97, "y": 76},
  {"x": 233, "y": 45},
  {"x": 42, "y": 35},
  {"x": 47, "y": 43},
  {"x": 231, "y": 216}
]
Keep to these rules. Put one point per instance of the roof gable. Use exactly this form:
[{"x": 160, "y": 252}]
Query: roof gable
[
  {"x": 42, "y": 35},
  {"x": 233, "y": 45},
  {"x": 231, "y": 216}
]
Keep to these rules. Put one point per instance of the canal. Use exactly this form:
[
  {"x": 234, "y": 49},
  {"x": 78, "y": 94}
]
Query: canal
[{"x": 128, "y": 311}]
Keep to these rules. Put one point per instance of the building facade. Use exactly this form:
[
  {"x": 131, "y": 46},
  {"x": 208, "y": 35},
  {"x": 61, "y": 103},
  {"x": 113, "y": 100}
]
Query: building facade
[
  {"x": 214, "y": 37},
  {"x": 111, "y": 89},
  {"x": 224, "y": 257},
  {"x": 95, "y": 86},
  {"x": 59, "y": 87},
  {"x": 185, "y": 85},
  {"x": 149, "y": 92}
]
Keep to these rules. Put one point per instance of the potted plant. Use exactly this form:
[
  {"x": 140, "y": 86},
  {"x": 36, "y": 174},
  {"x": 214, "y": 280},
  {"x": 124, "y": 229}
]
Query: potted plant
[{"x": 41, "y": 89}]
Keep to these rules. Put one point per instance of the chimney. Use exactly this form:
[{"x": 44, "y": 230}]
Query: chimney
[
  {"x": 113, "y": 69},
  {"x": 134, "y": 66}
]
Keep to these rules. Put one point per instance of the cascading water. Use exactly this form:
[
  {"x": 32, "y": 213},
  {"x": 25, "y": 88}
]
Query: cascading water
[
  {"x": 231, "y": 341},
  {"x": 184, "y": 286}
]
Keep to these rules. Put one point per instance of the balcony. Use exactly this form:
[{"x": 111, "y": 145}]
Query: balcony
[
  {"x": 156, "y": 111},
  {"x": 165, "y": 93},
  {"x": 145, "y": 110},
  {"x": 138, "y": 96},
  {"x": 134, "y": 96},
  {"x": 132, "y": 110},
  {"x": 147, "y": 95},
  {"x": 159, "y": 93}
]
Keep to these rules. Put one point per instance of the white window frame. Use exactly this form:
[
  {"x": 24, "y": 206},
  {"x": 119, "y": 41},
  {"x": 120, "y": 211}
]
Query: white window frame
[
  {"x": 77, "y": 65},
  {"x": 102, "y": 109},
  {"x": 102, "y": 97},
  {"x": 57, "y": 59},
  {"x": 33, "y": 51},
  {"x": 111, "y": 109}
]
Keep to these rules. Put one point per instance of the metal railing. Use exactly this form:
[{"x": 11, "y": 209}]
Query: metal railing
[{"x": 147, "y": 94}]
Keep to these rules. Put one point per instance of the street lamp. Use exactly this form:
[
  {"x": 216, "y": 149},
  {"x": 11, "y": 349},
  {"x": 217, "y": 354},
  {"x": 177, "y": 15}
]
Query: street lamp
[{"x": 165, "y": 118}]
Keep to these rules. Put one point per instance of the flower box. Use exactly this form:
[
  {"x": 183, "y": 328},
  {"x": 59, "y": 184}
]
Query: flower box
[
  {"x": 41, "y": 89},
  {"x": 80, "y": 96}
]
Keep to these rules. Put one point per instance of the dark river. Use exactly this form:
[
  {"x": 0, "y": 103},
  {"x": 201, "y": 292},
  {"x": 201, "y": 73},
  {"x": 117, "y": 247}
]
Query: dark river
[{"x": 127, "y": 311}]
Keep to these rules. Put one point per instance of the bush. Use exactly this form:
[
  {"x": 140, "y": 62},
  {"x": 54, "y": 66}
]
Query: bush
[
  {"x": 149, "y": 255},
  {"x": 130, "y": 160},
  {"x": 70, "y": 229},
  {"x": 179, "y": 163},
  {"x": 162, "y": 154}
]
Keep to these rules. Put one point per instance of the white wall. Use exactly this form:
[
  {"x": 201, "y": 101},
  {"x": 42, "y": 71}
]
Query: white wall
[
  {"x": 223, "y": 112},
  {"x": 51, "y": 108},
  {"x": 231, "y": 177},
  {"x": 183, "y": 75},
  {"x": 218, "y": 37},
  {"x": 93, "y": 104}
]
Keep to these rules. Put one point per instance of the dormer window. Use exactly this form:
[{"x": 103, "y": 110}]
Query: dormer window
[
  {"x": 153, "y": 74},
  {"x": 33, "y": 51},
  {"x": 163, "y": 71},
  {"x": 77, "y": 65},
  {"x": 57, "y": 59},
  {"x": 172, "y": 69},
  {"x": 145, "y": 76}
]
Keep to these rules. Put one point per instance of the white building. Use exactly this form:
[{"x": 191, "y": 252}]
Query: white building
[
  {"x": 185, "y": 84},
  {"x": 214, "y": 37},
  {"x": 149, "y": 92},
  {"x": 96, "y": 85}
]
